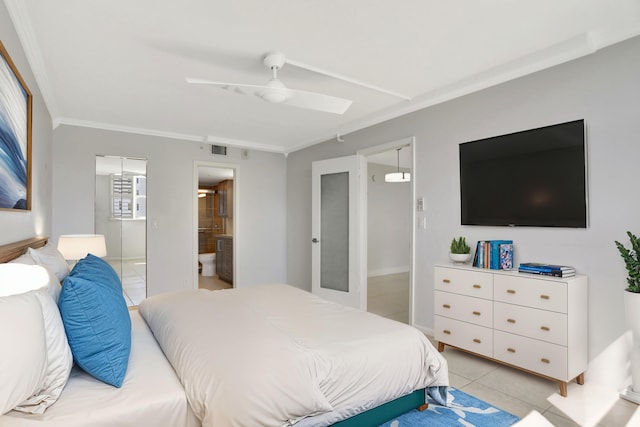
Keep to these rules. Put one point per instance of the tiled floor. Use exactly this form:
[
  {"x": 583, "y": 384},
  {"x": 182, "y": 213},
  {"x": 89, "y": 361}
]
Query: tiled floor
[
  {"x": 133, "y": 274},
  {"x": 388, "y": 296},
  {"x": 212, "y": 283},
  {"x": 589, "y": 405}
]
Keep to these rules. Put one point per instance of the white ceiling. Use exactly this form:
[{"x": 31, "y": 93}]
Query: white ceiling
[{"x": 122, "y": 64}]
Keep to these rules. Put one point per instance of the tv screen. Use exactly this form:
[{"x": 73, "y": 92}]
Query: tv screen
[{"x": 535, "y": 178}]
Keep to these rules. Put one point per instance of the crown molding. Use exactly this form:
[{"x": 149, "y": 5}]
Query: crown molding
[
  {"x": 20, "y": 17},
  {"x": 559, "y": 53},
  {"x": 210, "y": 139}
]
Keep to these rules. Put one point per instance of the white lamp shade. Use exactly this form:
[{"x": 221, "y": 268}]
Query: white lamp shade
[{"x": 77, "y": 246}]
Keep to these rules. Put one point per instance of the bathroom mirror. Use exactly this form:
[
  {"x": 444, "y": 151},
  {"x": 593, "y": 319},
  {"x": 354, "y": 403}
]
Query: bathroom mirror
[{"x": 120, "y": 215}]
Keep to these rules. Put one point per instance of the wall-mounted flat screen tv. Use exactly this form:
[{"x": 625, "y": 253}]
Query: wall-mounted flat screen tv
[{"x": 534, "y": 178}]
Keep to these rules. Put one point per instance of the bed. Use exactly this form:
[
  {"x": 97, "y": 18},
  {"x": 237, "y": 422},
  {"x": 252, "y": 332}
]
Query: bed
[{"x": 265, "y": 355}]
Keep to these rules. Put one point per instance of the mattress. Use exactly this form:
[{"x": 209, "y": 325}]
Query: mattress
[
  {"x": 275, "y": 355},
  {"x": 151, "y": 394}
]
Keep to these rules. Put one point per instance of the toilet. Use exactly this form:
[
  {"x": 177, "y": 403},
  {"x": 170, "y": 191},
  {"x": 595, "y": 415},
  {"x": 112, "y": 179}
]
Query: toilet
[{"x": 208, "y": 262}]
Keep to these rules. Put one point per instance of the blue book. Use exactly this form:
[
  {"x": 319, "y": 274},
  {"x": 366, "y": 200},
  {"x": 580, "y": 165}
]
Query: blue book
[
  {"x": 549, "y": 268},
  {"x": 506, "y": 256},
  {"x": 494, "y": 257}
]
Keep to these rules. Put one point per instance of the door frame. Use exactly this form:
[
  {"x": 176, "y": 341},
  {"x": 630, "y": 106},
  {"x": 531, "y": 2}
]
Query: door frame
[
  {"x": 194, "y": 223},
  {"x": 366, "y": 152}
]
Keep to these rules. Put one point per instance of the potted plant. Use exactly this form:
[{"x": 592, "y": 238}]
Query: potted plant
[
  {"x": 632, "y": 311},
  {"x": 459, "y": 251}
]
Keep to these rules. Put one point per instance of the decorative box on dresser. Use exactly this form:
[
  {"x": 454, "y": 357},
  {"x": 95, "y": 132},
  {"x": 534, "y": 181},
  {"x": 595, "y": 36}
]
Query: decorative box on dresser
[{"x": 532, "y": 322}]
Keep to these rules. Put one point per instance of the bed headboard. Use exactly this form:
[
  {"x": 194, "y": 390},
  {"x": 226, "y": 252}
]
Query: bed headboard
[{"x": 15, "y": 249}]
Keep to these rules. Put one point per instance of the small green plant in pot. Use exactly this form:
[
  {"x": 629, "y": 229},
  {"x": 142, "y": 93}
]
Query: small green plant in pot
[
  {"x": 459, "y": 250},
  {"x": 632, "y": 263}
]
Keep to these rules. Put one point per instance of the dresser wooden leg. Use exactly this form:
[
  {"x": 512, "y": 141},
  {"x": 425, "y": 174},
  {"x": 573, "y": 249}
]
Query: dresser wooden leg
[
  {"x": 580, "y": 379},
  {"x": 563, "y": 389},
  {"x": 440, "y": 346}
]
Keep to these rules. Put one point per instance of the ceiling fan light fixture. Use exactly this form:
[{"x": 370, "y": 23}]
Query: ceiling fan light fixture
[
  {"x": 397, "y": 176},
  {"x": 275, "y": 93}
]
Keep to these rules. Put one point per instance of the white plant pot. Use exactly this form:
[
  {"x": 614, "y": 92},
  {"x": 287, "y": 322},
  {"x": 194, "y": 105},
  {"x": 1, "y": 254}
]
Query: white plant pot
[
  {"x": 632, "y": 316},
  {"x": 459, "y": 257}
]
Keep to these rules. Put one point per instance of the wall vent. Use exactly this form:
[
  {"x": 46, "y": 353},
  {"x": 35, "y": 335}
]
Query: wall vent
[{"x": 218, "y": 150}]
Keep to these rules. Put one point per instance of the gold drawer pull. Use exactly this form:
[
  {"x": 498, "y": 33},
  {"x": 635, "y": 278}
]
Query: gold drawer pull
[
  {"x": 446, "y": 331},
  {"x": 511, "y": 320},
  {"x": 476, "y": 313},
  {"x": 511, "y": 350},
  {"x": 477, "y": 286},
  {"x": 511, "y": 291},
  {"x": 477, "y": 341},
  {"x": 446, "y": 281},
  {"x": 446, "y": 305},
  {"x": 545, "y": 328},
  {"x": 543, "y": 360},
  {"x": 544, "y": 296}
]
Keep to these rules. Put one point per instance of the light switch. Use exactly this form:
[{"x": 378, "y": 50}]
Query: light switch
[{"x": 420, "y": 204}]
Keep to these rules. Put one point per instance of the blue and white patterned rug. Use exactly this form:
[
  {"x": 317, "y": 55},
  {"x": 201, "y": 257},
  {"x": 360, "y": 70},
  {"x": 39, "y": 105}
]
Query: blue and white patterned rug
[{"x": 463, "y": 410}]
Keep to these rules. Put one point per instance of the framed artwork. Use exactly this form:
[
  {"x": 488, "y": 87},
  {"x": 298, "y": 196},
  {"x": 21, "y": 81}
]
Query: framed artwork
[{"x": 15, "y": 137}]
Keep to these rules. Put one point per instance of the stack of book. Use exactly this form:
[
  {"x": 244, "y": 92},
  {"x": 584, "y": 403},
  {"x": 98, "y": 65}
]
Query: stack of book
[
  {"x": 494, "y": 254},
  {"x": 547, "y": 269}
]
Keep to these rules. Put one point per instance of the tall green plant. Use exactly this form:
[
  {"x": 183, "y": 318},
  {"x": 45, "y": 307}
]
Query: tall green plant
[
  {"x": 459, "y": 246},
  {"x": 631, "y": 261}
]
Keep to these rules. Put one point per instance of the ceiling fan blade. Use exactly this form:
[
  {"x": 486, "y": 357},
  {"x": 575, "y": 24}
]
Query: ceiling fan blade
[
  {"x": 239, "y": 88},
  {"x": 317, "y": 101},
  {"x": 295, "y": 98}
]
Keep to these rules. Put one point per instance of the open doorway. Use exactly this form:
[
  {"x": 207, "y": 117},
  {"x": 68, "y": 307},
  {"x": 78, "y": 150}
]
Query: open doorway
[
  {"x": 215, "y": 226},
  {"x": 390, "y": 230}
]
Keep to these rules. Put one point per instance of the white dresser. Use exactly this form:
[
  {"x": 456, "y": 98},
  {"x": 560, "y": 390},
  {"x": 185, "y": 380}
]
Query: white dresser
[{"x": 535, "y": 323}]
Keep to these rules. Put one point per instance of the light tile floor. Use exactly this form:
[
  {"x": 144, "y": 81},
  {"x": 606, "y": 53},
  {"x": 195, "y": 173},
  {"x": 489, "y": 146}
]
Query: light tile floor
[
  {"x": 589, "y": 405},
  {"x": 133, "y": 274},
  {"x": 212, "y": 283}
]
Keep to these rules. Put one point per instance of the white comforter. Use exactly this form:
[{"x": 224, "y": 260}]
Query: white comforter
[{"x": 272, "y": 355}]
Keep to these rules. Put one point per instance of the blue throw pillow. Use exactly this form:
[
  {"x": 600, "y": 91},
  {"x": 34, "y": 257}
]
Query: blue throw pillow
[{"x": 96, "y": 320}]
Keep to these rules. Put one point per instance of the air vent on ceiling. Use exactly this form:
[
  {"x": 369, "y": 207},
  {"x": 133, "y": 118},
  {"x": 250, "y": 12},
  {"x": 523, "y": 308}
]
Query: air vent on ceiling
[{"x": 218, "y": 150}]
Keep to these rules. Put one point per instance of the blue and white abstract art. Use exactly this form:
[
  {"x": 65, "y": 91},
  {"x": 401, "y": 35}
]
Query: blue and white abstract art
[{"x": 14, "y": 137}]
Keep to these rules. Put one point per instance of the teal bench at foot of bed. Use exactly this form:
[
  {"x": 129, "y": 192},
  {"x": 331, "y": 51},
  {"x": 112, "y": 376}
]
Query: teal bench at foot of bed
[{"x": 386, "y": 412}]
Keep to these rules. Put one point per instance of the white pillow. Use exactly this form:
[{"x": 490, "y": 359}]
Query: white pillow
[
  {"x": 23, "y": 354},
  {"x": 24, "y": 259},
  {"x": 53, "y": 285},
  {"x": 59, "y": 359},
  {"x": 18, "y": 279},
  {"x": 21, "y": 278},
  {"x": 50, "y": 257}
]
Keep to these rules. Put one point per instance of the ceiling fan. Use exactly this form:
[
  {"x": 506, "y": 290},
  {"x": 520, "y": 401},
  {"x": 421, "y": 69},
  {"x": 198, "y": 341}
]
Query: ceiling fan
[{"x": 275, "y": 92}]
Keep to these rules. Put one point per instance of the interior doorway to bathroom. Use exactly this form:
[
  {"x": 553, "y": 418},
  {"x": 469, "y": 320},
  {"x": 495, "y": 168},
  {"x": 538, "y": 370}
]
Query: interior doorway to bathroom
[{"x": 214, "y": 199}]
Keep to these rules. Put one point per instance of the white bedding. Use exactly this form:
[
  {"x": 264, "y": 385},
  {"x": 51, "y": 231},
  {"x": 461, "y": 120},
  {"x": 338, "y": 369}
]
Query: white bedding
[
  {"x": 272, "y": 355},
  {"x": 151, "y": 394}
]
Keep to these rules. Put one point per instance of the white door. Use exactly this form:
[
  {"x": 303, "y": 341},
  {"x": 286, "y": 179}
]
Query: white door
[{"x": 339, "y": 224}]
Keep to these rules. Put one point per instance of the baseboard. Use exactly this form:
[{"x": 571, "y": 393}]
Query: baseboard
[{"x": 386, "y": 271}]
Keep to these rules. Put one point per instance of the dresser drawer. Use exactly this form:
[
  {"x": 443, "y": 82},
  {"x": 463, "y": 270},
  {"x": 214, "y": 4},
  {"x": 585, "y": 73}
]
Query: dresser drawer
[
  {"x": 461, "y": 307},
  {"x": 537, "y": 356},
  {"x": 536, "y": 293},
  {"x": 531, "y": 322},
  {"x": 466, "y": 282},
  {"x": 470, "y": 337}
]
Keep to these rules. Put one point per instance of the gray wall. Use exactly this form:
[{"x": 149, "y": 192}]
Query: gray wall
[
  {"x": 18, "y": 225},
  {"x": 171, "y": 220},
  {"x": 602, "y": 88},
  {"x": 388, "y": 223}
]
